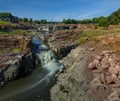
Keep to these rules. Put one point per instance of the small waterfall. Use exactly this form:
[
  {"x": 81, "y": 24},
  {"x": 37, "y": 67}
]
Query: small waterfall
[{"x": 45, "y": 57}]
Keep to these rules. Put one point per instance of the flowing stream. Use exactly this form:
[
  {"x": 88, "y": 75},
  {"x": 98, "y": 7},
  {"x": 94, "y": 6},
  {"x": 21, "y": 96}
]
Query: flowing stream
[{"x": 36, "y": 86}]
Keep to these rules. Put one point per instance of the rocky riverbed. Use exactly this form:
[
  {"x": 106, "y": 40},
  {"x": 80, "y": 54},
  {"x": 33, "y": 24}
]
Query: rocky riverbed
[{"x": 91, "y": 74}]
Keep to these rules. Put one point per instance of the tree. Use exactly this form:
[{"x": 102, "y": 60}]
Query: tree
[
  {"x": 103, "y": 22},
  {"x": 114, "y": 18},
  {"x": 95, "y": 20},
  {"x": 70, "y": 21},
  {"x": 43, "y": 21},
  {"x": 6, "y": 16},
  {"x": 25, "y": 19},
  {"x": 30, "y": 20},
  {"x": 85, "y": 21},
  {"x": 36, "y": 21}
]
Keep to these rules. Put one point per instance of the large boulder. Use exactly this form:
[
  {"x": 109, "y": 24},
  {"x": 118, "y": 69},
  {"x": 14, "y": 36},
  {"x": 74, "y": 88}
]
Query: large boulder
[{"x": 9, "y": 67}]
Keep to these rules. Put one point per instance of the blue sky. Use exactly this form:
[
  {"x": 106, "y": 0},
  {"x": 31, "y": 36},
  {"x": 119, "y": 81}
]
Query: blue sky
[{"x": 56, "y": 10}]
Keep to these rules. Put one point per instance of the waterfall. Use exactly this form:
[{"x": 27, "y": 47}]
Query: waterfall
[{"x": 45, "y": 57}]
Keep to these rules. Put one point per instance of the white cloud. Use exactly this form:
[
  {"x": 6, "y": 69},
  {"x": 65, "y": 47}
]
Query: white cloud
[
  {"x": 85, "y": 15},
  {"x": 91, "y": 14}
]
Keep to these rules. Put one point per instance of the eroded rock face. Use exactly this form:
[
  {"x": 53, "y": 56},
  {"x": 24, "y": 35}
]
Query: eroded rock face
[
  {"x": 115, "y": 96},
  {"x": 11, "y": 42},
  {"x": 89, "y": 76},
  {"x": 73, "y": 84},
  {"x": 15, "y": 65},
  {"x": 9, "y": 67},
  {"x": 106, "y": 71},
  {"x": 63, "y": 41},
  {"x": 108, "y": 63}
]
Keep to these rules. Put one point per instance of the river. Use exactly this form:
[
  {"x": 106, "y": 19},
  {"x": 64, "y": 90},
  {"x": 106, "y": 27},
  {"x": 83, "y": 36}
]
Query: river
[{"x": 36, "y": 86}]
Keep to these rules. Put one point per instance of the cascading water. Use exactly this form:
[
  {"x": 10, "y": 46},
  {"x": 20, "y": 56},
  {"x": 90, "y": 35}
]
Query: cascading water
[
  {"x": 36, "y": 86},
  {"x": 49, "y": 61},
  {"x": 45, "y": 57}
]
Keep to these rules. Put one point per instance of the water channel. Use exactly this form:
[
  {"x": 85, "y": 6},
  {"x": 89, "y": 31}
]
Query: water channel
[{"x": 36, "y": 86}]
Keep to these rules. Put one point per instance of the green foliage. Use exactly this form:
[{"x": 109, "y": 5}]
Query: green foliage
[
  {"x": 114, "y": 18},
  {"x": 82, "y": 40},
  {"x": 30, "y": 20},
  {"x": 5, "y": 16},
  {"x": 17, "y": 50},
  {"x": 95, "y": 20},
  {"x": 70, "y": 21},
  {"x": 16, "y": 31},
  {"x": 86, "y": 21},
  {"x": 103, "y": 22},
  {"x": 43, "y": 21},
  {"x": 1, "y": 51},
  {"x": 25, "y": 19},
  {"x": 4, "y": 22},
  {"x": 89, "y": 35},
  {"x": 95, "y": 40},
  {"x": 36, "y": 21}
]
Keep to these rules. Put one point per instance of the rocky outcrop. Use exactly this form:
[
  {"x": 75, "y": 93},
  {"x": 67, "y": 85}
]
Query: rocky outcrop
[
  {"x": 9, "y": 67},
  {"x": 86, "y": 26},
  {"x": 91, "y": 74},
  {"x": 106, "y": 72},
  {"x": 13, "y": 42},
  {"x": 62, "y": 42},
  {"x": 50, "y": 28},
  {"x": 73, "y": 84},
  {"x": 11, "y": 26},
  {"x": 14, "y": 65}
]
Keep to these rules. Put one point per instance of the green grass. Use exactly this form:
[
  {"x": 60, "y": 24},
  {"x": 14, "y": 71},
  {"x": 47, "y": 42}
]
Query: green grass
[
  {"x": 16, "y": 31},
  {"x": 19, "y": 31},
  {"x": 90, "y": 35},
  {"x": 82, "y": 40},
  {"x": 1, "y": 51},
  {"x": 17, "y": 50},
  {"x": 5, "y": 32},
  {"x": 4, "y": 22}
]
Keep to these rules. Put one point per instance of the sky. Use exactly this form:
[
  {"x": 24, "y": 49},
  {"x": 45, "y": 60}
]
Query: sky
[{"x": 57, "y": 10}]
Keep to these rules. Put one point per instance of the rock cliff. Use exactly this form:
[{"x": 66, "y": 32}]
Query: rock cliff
[
  {"x": 73, "y": 84},
  {"x": 91, "y": 74},
  {"x": 63, "y": 41}
]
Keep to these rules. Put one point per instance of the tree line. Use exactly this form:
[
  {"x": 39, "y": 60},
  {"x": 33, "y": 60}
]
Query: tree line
[
  {"x": 7, "y": 16},
  {"x": 113, "y": 19}
]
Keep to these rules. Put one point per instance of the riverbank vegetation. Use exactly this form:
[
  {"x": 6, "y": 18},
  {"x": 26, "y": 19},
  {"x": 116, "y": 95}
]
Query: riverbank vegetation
[{"x": 112, "y": 19}]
